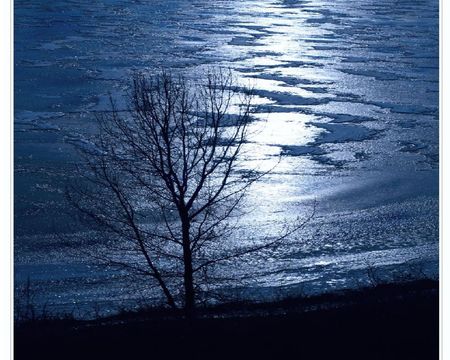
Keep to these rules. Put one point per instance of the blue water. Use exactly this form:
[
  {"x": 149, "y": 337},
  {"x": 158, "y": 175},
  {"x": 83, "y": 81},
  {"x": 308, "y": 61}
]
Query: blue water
[{"x": 348, "y": 94}]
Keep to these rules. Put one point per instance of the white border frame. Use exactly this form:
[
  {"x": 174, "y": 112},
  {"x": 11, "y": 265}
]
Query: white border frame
[
  {"x": 6, "y": 181},
  {"x": 6, "y": 197}
]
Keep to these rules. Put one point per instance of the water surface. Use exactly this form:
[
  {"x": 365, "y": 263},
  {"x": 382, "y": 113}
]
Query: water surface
[{"x": 348, "y": 95}]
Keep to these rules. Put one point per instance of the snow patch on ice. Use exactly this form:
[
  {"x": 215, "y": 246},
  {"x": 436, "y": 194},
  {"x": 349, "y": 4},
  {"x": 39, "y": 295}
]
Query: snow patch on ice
[
  {"x": 285, "y": 98},
  {"x": 25, "y": 116},
  {"x": 345, "y": 118},
  {"x": 408, "y": 108},
  {"x": 83, "y": 144},
  {"x": 244, "y": 41},
  {"x": 412, "y": 146},
  {"x": 340, "y": 133},
  {"x": 298, "y": 150},
  {"x": 289, "y": 80},
  {"x": 38, "y": 120},
  {"x": 376, "y": 74}
]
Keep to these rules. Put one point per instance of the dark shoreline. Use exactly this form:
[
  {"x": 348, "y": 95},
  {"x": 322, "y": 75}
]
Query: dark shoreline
[{"x": 389, "y": 321}]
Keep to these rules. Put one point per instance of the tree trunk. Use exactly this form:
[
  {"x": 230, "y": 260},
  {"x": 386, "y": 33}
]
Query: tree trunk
[{"x": 189, "y": 294}]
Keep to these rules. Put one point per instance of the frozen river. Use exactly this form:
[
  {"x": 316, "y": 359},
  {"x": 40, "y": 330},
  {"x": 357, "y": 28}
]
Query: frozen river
[{"x": 348, "y": 95}]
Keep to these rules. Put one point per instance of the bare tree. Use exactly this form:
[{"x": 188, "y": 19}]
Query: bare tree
[{"x": 163, "y": 181}]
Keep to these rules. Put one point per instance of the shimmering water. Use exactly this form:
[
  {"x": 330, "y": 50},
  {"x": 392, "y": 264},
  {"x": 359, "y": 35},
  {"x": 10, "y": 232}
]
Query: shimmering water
[{"x": 348, "y": 95}]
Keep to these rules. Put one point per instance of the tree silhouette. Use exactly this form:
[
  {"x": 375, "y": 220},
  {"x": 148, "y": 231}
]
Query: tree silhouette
[{"x": 162, "y": 181}]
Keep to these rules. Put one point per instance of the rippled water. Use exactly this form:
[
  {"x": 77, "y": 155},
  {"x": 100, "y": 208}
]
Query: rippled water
[{"x": 348, "y": 95}]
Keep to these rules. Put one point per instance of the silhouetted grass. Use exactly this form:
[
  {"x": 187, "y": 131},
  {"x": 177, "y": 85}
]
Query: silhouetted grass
[{"x": 389, "y": 321}]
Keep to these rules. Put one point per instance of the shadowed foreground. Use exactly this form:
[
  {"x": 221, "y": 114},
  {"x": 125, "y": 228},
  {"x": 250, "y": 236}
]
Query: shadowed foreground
[{"x": 387, "y": 322}]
